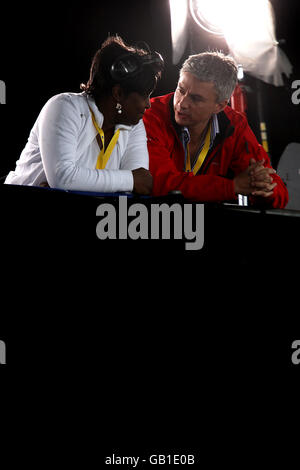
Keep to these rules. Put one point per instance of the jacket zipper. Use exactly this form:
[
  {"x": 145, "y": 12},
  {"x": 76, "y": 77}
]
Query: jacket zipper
[{"x": 205, "y": 167}]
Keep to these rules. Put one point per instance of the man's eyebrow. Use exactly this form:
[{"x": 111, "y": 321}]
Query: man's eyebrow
[{"x": 193, "y": 95}]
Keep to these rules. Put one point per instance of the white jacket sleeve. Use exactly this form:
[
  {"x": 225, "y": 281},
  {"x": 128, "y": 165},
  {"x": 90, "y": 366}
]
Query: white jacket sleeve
[
  {"x": 136, "y": 154},
  {"x": 59, "y": 128}
]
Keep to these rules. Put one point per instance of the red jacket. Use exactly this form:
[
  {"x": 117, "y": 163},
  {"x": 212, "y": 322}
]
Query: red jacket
[{"x": 230, "y": 154}]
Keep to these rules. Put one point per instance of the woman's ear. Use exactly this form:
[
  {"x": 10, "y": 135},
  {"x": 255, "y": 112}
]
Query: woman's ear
[{"x": 117, "y": 92}]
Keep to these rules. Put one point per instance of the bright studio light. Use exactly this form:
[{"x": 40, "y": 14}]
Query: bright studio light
[
  {"x": 248, "y": 27},
  {"x": 209, "y": 14},
  {"x": 249, "y": 30},
  {"x": 241, "y": 19}
]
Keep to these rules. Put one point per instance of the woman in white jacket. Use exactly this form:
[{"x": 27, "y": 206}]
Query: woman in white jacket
[{"x": 96, "y": 140}]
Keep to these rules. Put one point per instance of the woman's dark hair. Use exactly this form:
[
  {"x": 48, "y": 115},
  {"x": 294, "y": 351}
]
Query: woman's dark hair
[{"x": 101, "y": 82}]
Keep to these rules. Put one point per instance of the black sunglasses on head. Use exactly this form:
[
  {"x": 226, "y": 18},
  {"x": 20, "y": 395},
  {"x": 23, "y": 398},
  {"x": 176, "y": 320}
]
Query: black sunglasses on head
[{"x": 129, "y": 65}]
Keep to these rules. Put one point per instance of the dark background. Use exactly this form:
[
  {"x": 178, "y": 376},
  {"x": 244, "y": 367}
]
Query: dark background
[{"x": 47, "y": 49}]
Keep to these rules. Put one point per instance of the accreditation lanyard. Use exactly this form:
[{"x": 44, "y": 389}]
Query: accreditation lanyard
[
  {"x": 201, "y": 155},
  {"x": 104, "y": 155}
]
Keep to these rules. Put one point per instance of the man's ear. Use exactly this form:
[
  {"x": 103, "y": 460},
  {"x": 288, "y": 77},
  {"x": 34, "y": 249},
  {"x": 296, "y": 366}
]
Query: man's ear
[
  {"x": 117, "y": 92},
  {"x": 221, "y": 106}
]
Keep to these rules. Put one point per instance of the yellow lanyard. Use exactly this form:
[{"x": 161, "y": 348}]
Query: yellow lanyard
[
  {"x": 201, "y": 156},
  {"x": 104, "y": 155}
]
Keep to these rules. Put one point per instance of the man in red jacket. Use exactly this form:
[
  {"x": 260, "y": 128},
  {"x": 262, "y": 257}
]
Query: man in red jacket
[{"x": 202, "y": 147}]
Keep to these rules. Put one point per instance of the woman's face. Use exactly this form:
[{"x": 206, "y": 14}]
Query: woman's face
[{"x": 133, "y": 107}]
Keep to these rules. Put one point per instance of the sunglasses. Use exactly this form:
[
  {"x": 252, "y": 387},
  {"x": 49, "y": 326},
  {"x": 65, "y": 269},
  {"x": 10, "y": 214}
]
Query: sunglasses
[{"x": 129, "y": 65}]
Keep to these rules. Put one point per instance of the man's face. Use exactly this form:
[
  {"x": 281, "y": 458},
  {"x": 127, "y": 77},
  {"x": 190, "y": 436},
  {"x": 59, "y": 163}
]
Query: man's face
[{"x": 195, "y": 101}]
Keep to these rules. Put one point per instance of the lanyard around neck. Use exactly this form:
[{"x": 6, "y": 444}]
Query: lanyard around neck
[
  {"x": 201, "y": 155},
  {"x": 104, "y": 155}
]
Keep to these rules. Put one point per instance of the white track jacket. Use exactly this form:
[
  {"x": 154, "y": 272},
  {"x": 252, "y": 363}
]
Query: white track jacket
[{"x": 62, "y": 149}]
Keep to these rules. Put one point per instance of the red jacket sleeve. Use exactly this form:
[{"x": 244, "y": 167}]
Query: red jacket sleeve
[{"x": 247, "y": 147}]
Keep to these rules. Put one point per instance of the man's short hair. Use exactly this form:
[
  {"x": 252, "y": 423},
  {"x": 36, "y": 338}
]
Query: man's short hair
[{"x": 214, "y": 67}]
